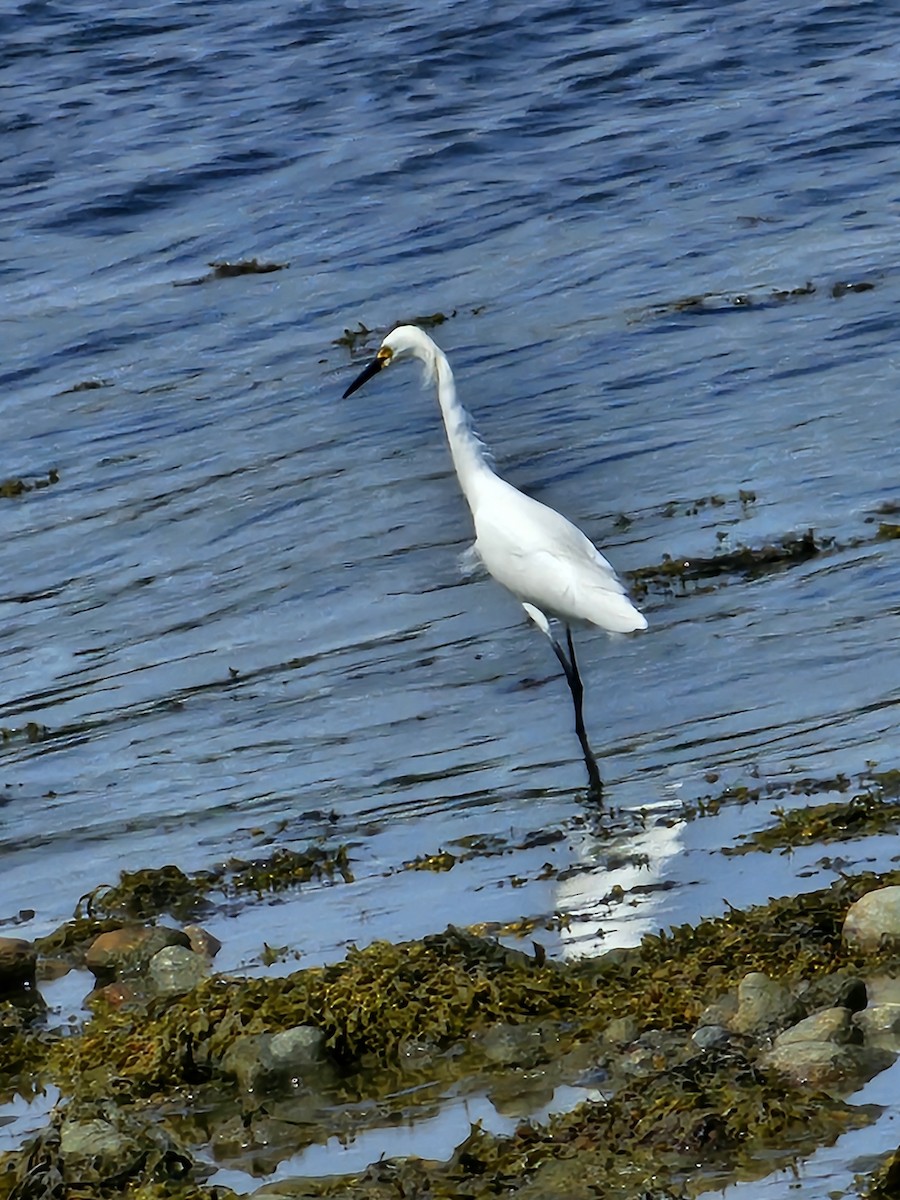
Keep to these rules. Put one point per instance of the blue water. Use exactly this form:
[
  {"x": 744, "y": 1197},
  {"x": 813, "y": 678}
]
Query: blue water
[{"x": 238, "y": 617}]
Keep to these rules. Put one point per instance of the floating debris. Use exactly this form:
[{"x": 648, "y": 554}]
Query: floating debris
[
  {"x": 145, "y": 894},
  {"x": 711, "y": 303},
  {"x": 222, "y": 269},
  {"x": 874, "y": 810},
  {"x": 87, "y": 385},
  {"x": 17, "y": 486},
  {"x": 746, "y": 560},
  {"x": 842, "y": 289},
  {"x": 361, "y": 338}
]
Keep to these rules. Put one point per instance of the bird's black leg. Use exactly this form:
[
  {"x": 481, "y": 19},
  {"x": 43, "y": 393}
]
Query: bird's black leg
[{"x": 576, "y": 687}]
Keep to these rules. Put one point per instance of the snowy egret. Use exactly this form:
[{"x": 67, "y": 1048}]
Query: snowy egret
[{"x": 548, "y": 564}]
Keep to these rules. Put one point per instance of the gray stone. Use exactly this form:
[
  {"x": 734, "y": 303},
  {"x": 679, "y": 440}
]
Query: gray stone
[
  {"x": 827, "y": 1064},
  {"x": 873, "y": 918},
  {"x": 880, "y": 1023},
  {"x": 265, "y": 1061},
  {"x": 884, "y": 989},
  {"x": 764, "y": 1006},
  {"x": 710, "y": 1037},
  {"x": 294, "y": 1049},
  {"x": 720, "y": 1012},
  {"x": 830, "y": 1025},
  {"x": 175, "y": 970}
]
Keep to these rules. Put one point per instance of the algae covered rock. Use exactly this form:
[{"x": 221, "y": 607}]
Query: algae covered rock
[{"x": 97, "y": 1144}]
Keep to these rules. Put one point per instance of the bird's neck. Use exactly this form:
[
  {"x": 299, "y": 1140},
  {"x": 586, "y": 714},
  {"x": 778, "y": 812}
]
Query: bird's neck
[{"x": 466, "y": 449}]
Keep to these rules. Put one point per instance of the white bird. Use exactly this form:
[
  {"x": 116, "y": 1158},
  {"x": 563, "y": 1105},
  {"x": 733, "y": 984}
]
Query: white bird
[{"x": 547, "y": 563}]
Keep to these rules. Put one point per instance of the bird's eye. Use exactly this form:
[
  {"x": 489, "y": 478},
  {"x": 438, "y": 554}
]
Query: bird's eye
[{"x": 384, "y": 355}]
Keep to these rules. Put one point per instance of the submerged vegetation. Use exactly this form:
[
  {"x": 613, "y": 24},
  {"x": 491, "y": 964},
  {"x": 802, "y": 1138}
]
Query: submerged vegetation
[
  {"x": 399, "y": 1024},
  {"x": 140, "y": 895},
  {"x": 875, "y": 809}
]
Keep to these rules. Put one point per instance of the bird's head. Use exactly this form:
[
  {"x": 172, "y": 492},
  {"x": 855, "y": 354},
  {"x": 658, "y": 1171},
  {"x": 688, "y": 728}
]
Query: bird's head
[{"x": 406, "y": 341}]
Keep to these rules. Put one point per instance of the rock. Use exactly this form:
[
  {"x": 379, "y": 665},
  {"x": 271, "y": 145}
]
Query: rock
[
  {"x": 127, "y": 951},
  {"x": 884, "y": 989},
  {"x": 18, "y": 959},
  {"x": 294, "y": 1049},
  {"x": 872, "y": 918},
  {"x": 880, "y": 1023},
  {"x": 763, "y": 1006},
  {"x": 97, "y": 1143},
  {"x": 282, "y": 1189},
  {"x": 231, "y": 1138},
  {"x": 830, "y": 1025},
  {"x": 827, "y": 1064},
  {"x": 651, "y": 1053},
  {"x": 622, "y": 1031},
  {"x": 175, "y": 970},
  {"x": 115, "y": 995},
  {"x": 710, "y": 1037},
  {"x": 265, "y": 1061},
  {"x": 838, "y": 990},
  {"x": 512, "y": 1045},
  {"x": 720, "y": 1012},
  {"x": 202, "y": 941}
]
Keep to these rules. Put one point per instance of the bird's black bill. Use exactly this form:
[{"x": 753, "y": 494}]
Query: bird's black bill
[{"x": 372, "y": 369}]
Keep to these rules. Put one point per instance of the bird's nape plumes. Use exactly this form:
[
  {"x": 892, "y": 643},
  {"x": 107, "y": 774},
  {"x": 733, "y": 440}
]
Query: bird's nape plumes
[{"x": 547, "y": 563}]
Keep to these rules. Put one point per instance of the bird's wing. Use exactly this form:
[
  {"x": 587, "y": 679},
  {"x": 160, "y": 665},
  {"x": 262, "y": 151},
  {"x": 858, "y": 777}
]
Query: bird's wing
[{"x": 546, "y": 561}]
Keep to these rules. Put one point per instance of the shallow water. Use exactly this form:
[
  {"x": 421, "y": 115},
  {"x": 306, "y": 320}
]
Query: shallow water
[{"x": 238, "y": 618}]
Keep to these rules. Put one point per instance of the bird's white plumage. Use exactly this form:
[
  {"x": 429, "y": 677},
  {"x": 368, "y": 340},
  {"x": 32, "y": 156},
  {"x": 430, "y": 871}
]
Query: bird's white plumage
[{"x": 547, "y": 563}]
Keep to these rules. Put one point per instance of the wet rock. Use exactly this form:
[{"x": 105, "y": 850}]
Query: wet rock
[
  {"x": 232, "y": 1138},
  {"x": 711, "y": 1037},
  {"x": 873, "y": 918},
  {"x": 98, "y": 1144},
  {"x": 880, "y": 1024},
  {"x": 827, "y": 1064},
  {"x": 830, "y": 1025},
  {"x": 721, "y": 1012},
  {"x": 202, "y": 941},
  {"x": 414, "y": 1052},
  {"x": 884, "y": 989},
  {"x": 17, "y": 964},
  {"x": 115, "y": 995},
  {"x": 622, "y": 1031},
  {"x": 838, "y": 990},
  {"x": 513, "y": 1045},
  {"x": 175, "y": 970},
  {"x": 128, "y": 950},
  {"x": 763, "y": 1006},
  {"x": 650, "y": 1054},
  {"x": 266, "y": 1061},
  {"x": 294, "y": 1049},
  {"x": 282, "y": 1189}
]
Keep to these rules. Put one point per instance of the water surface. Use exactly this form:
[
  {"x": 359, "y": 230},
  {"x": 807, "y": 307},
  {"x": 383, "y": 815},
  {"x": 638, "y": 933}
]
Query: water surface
[{"x": 238, "y": 619}]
